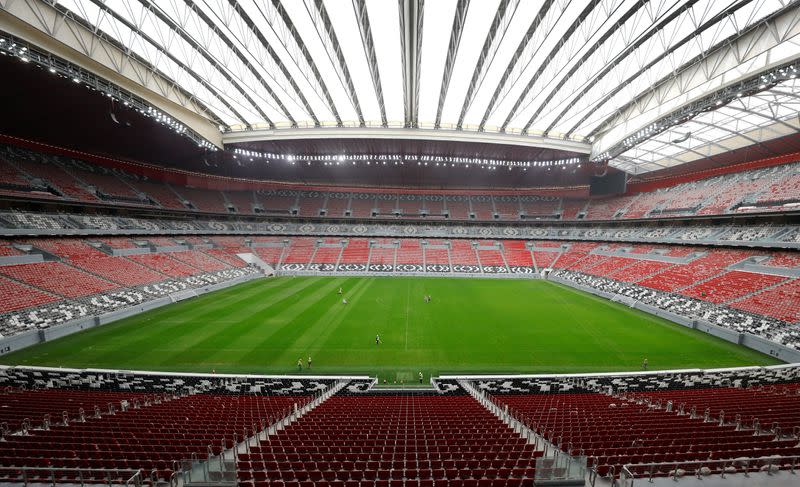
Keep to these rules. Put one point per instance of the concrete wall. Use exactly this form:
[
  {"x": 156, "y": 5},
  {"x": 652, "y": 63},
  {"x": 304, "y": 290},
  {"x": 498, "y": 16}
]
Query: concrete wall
[
  {"x": 18, "y": 342},
  {"x": 130, "y": 251},
  {"x": 507, "y": 275},
  {"x": 21, "y": 259},
  {"x": 786, "y": 354}
]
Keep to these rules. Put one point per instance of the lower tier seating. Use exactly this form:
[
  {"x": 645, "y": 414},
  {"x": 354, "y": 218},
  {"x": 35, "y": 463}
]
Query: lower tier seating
[
  {"x": 655, "y": 432},
  {"x": 408, "y": 439},
  {"x": 66, "y": 426},
  {"x": 149, "y": 435},
  {"x": 729, "y": 316}
]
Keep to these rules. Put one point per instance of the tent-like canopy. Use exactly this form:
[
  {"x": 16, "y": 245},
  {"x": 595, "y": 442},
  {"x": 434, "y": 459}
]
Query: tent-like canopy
[{"x": 591, "y": 71}]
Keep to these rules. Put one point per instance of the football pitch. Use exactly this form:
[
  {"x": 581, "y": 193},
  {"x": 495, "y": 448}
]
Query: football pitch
[{"x": 470, "y": 326}]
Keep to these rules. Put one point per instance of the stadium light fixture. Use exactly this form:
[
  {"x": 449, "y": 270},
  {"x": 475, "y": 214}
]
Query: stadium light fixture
[{"x": 10, "y": 45}]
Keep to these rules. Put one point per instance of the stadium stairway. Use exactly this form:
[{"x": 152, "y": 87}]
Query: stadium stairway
[
  {"x": 657, "y": 425},
  {"x": 223, "y": 469},
  {"x": 555, "y": 465},
  {"x": 110, "y": 434}
]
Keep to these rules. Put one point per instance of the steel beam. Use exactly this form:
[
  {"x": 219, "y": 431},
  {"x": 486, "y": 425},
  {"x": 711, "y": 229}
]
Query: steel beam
[
  {"x": 298, "y": 39},
  {"x": 501, "y": 20},
  {"x": 104, "y": 6},
  {"x": 452, "y": 51},
  {"x": 265, "y": 44},
  {"x": 360, "y": 7},
  {"x": 740, "y": 48},
  {"x": 319, "y": 16},
  {"x": 523, "y": 43},
  {"x": 63, "y": 34}
]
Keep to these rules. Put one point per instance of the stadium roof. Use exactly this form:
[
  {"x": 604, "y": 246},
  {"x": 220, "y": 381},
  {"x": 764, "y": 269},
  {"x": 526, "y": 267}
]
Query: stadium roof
[{"x": 556, "y": 72}]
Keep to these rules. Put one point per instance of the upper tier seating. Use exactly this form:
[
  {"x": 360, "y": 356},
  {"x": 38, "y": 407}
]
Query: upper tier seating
[
  {"x": 59, "y": 179},
  {"x": 724, "y": 200},
  {"x": 482, "y": 207},
  {"x": 162, "y": 193},
  {"x": 110, "y": 187},
  {"x": 541, "y": 208},
  {"x": 11, "y": 180},
  {"x": 606, "y": 209},
  {"x": 203, "y": 200},
  {"x": 29, "y": 174},
  {"x": 275, "y": 203},
  {"x": 362, "y": 205},
  {"x": 458, "y": 208},
  {"x": 311, "y": 205},
  {"x": 785, "y": 189},
  {"x": 338, "y": 203},
  {"x": 571, "y": 209},
  {"x": 410, "y": 205},
  {"x": 507, "y": 210},
  {"x": 243, "y": 201},
  {"x": 434, "y": 207}
]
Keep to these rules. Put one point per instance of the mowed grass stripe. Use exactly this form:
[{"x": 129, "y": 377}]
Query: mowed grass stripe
[
  {"x": 241, "y": 318},
  {"x": 289, "y": 323},
  {"x": 166, "y": 333},
  {"x": 470, "y": 326},
  {"x": 322, "y": 319}
]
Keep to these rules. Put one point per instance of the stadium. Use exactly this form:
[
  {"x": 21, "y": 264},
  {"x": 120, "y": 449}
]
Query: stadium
[{"x": 399, "y": 243}]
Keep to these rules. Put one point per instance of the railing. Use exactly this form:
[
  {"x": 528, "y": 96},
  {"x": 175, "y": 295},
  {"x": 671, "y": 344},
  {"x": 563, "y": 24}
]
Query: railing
[
  {"x": 559, "y": 463},
  {"x": 704, "y": 468},
  {"x": 80, "y": 476}
]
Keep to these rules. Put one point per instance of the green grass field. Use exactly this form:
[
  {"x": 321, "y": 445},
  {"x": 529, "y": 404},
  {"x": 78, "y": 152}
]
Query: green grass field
[{"x": 470, "y": 326}]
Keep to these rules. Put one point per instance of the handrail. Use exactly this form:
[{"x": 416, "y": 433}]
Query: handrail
[
  {"x": 136, "y": 479},
  {"x": 81, "y": 471},
  {"x": 628, "y": 471}
]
